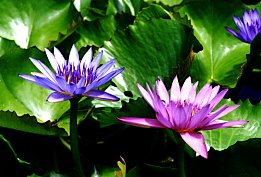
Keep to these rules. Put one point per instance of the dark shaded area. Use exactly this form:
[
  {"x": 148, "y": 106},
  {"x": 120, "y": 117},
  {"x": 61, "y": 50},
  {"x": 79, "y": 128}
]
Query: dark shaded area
[{"x": 147, "y": 152}]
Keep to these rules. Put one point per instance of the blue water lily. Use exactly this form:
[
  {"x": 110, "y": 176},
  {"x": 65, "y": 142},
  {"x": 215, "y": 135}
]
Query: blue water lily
[
  {"x": 248, "y": 28},
  {"x": 74, "y": 78}
]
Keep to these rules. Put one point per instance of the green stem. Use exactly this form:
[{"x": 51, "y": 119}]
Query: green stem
[
  {"x": 181, "y": 164},
  {"x": 74, "y": 137}
]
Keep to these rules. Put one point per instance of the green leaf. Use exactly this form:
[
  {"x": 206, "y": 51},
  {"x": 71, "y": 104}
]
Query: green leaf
[
  {"x": 22, "y": 96},
  {"x": 35, "y": 23},
  {"x": 221, "y": 139},
  {"x": 96, "y": 32},
  {"x": 158, "y": 47},
  {"x": 166, "y": 2},
  {"x": 223, "y": 54},
  {"x": 28, "y": 124},
  {"x": 104, "y": 171}
]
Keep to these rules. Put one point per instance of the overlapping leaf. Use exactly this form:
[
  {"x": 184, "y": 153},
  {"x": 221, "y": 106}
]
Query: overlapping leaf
[
  {"x": 221, "y": 139},
  {"x": 149, "y": 49},
  {"x": 22, "y": 96},
  {"x": 223, "y": 54},
  {"x": 35, "y": 23}
]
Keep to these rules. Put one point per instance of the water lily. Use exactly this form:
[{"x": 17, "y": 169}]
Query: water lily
[
  {"x": 248, "y": 28},
  {"x": 185, "y": 112},
  {"x": 74, "y": 78}
]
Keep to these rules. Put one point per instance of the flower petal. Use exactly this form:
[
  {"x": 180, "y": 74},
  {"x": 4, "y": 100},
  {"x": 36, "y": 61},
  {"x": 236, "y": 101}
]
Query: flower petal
[
  {"x": 225, "y": 124},
  {"x": 86, "y": 60},
  {"x": 175, "y": 90},
  {"x": 105, "y": 68},
  {"x": 149, "y": 99},
  {"x": 98, "y": 94},
  {"x": 59, "y": 58},
  {"x": 162, "y": 91},
  {"x": 196, "y": 141},
  {"x": 52, "y": 60},
  {"x": 74, "y": 57},
  {"x": 43, "y": 82},
  {"x": 44, "y": 69},
  {"x": 142, "y": 122},
  {"x": 57, "y": 97},
  {"x": 185, "y": 90},
  {"x": 96, "y": 61},
  {"x": 103, "y": 80}
]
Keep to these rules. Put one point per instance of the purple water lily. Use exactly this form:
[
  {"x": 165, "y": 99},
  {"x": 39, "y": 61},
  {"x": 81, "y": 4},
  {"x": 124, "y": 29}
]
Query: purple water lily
[
  {"x": 185, "y": 111},
  {"x": 248, "y": 28},
  {"x": 74, "y": 78}
]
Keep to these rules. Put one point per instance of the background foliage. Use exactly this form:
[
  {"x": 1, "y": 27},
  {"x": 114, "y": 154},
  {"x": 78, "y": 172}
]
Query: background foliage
[{"x": 149, "y": 38}]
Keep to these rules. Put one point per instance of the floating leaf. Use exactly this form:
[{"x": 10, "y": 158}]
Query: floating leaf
[
  {"x": 35, "y": 23},
  {"x": 22, "y": 96},
  {"x": 221, "y": 59},
  {"x": 158, "y": 47},
  {"x": 221, "y": 139}
]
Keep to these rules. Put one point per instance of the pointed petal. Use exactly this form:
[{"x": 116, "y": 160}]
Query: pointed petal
[
  {"x": 142, "y": 122},
  {"x": 96, "y": 61},
  {"x": 86, "y": 60},
  {"x": 192, "y": 93},
  {"x": 218, "y": 98},
  {"x": 98, "y": 94},
  {"x": 175, "y": 90},
  {"x": 52, "y": 60},
  {"x": 59, "y": 58},
  {"x": 196, "y": 141},
  {"x": 162, "y": 91},
  {"x": 200, "y": 96},
  {"x": 74, "y": 57},
  {"x": 146, "y": 95},
  {"x": 197, "y": 119},
  {"x": 185, "y": 90},
  {"x": 43, "y": 82},
  {"x": 57, "y": 97},
  {"x": 225, "y": 124},
  {"x": 103, "y": 80},
  {"x": 105, "y": 68}
]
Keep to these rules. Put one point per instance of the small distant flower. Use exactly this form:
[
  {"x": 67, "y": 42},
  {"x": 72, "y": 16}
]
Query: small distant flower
[
  {"x": 185, "y": 111},
  {"x": 248, "y": 28},
  {"x": 74, "y": 78}
]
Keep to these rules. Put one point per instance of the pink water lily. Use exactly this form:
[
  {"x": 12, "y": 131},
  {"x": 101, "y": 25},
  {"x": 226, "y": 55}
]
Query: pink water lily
[{"x": 185, "y": 111}]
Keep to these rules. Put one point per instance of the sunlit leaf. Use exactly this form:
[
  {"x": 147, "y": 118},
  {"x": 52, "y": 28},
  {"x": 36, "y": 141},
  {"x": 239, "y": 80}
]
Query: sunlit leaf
[
  {"x": 223, "y": 54},
  {"x": 221, "y": 139},
  {"x": 148, "y": 49},
  {"x": 35, "y": 23},
  {"x": 22, "y": 96}
]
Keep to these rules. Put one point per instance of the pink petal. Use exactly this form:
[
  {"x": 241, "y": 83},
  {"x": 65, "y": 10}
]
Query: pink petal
[
  {"x": 185, "y": 90},
  {"x": 225, "y": 124},
  {"x": 192, "y": 93},
  {"x": 162, "y": 91},
  {"x": 57, "y": 97},
  {"x": 175, "y": 90},
  {"x": 201, "y": 94},
  {"x": 196, "y": 141},
  {"x": 146, "y": 95},
  {"x": 142, "y": 122}
]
